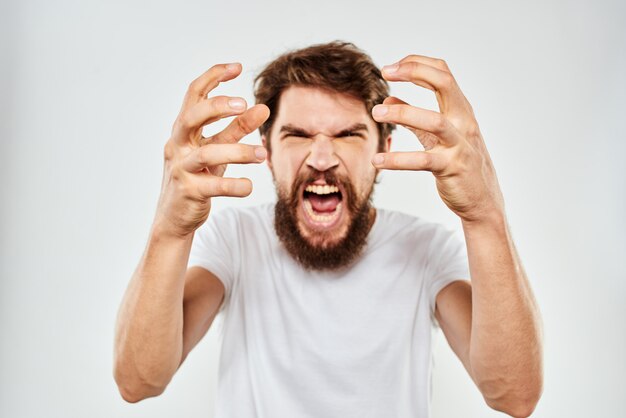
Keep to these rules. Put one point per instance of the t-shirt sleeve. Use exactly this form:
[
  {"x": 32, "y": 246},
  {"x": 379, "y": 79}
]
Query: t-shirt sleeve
[
  {"x": 447, "y": 263},
  {"x": 212, "y": 247}
]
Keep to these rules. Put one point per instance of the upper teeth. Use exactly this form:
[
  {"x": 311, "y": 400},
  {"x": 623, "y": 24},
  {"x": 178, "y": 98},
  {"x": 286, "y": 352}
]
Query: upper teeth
[{"x": 325, "y": 189}]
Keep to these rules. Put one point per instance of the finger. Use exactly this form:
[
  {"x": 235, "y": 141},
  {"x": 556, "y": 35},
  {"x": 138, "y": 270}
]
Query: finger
[
  {"x": 427, "y": 139},
  {"x": 211, "y": 155},
  {"x": 416, "y": 160},
  {"x": 393, "y": 100},
  {"x": 418, "y": 119},
  {"x": 208, "y": 111},
  {"x": 449, "y": 95},
  {"x": 433, "y": 62},
  {"x": 243, "y": 125},
  {"x": 417, "y": 72},
  {"x": 212, "y": 186},
  {"x": 201, "y": 86}
]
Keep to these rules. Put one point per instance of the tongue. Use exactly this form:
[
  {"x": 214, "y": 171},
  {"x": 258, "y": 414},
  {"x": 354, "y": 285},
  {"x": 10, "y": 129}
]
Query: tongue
[{"x": 324, "y": 203}]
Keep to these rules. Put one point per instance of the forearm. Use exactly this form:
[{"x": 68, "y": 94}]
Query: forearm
[
  {"x": 149, "y": 333},
  {"x": 505, "y": 347}
]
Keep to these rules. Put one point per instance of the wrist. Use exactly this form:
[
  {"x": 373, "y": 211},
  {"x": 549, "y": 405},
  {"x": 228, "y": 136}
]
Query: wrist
[
  {"x": 165, "y": 230},
  {"x": 494, "y": 220}
]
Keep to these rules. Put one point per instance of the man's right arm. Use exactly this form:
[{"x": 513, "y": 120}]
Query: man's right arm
[
  {"x": 155, "y": 330},
  {"x": 166, "y": 308}
]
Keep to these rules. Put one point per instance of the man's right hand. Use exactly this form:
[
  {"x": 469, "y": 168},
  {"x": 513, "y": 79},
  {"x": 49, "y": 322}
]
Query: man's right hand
[{"x": 195, "y": 165}]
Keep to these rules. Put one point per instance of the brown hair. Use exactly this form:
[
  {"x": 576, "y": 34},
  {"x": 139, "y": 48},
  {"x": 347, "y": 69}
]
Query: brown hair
[{"x": 336, "y": 66}]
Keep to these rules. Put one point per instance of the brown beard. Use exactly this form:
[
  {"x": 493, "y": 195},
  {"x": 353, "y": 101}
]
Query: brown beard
[{"x": 329, "y": 256}]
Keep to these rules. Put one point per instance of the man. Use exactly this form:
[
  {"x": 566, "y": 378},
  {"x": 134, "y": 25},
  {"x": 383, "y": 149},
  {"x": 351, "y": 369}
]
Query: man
[{"x": 328, "y": 303}]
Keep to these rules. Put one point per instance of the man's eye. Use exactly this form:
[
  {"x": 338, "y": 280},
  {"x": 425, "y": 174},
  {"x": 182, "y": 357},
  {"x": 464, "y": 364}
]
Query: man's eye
[
  {"x": 296, "y": 135},
  {"x": 353, "y": 134}
]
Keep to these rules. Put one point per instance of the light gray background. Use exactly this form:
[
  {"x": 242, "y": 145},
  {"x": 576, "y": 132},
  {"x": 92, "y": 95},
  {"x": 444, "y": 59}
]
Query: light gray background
[{"x": 89, "y": 93}]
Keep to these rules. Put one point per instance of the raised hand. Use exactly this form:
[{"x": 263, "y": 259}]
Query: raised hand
[
  {"x": 454, "y": 150},
  {"x": 194, "y": 165}
]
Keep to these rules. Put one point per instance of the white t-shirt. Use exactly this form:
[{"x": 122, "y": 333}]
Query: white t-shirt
[{"x": 299, "y": 344}]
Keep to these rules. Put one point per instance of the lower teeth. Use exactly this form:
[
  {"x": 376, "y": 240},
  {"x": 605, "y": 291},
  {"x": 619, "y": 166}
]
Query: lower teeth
[{"x": 320, "y": 218}]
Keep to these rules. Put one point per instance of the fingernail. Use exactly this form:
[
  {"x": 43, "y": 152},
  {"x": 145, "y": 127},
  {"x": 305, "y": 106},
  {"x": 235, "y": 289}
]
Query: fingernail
[
  {"x": 260, "y": 153},
  {"x": 378, "y": 159},
  {"x": 380, "y": 110},
  {"x": 232, "y": 67},
  {"x": 237, "y": 104},
  {"x": 391, "y": 68}
]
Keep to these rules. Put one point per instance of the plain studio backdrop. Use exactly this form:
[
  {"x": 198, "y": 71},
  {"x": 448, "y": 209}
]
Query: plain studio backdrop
[{"x": 89, "y": 94}]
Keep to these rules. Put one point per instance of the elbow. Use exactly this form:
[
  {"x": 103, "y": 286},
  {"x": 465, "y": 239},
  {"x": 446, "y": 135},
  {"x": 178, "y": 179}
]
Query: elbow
[
  {"x": 136, "y": 393},
  {"x": 518, "y": 403},
  {"x": 520, "y": 408},
  {"x": 134, "y": 388}
]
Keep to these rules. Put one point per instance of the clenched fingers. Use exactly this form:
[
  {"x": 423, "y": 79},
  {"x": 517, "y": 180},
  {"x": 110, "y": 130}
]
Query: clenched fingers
[
  {"x": 212, "y": 186},
  {"x": 212, "y": 155}
]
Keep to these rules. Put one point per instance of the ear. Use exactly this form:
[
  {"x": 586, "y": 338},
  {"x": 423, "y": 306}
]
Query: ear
[{"x": 268, "y": 160}]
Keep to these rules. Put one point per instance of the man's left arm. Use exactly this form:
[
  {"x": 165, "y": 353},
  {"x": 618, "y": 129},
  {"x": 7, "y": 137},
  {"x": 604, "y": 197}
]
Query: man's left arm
[{"x": 492, "y": 324}]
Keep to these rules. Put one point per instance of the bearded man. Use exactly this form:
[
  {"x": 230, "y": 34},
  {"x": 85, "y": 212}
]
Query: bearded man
[{"x": 328, "y": 303}]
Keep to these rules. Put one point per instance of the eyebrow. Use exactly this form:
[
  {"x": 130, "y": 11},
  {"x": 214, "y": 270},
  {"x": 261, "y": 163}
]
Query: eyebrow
[{"x": 294, "y": 130}]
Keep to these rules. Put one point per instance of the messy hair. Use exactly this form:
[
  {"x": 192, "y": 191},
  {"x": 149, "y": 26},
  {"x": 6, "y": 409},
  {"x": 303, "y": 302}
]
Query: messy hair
[{"x": 336, "y": 66}]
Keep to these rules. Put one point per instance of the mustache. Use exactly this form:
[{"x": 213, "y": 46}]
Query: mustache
[{"x": 332, "y": 179}]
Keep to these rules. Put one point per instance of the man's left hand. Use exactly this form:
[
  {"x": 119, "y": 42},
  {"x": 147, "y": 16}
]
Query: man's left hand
[{"x": 454, "y": 150}]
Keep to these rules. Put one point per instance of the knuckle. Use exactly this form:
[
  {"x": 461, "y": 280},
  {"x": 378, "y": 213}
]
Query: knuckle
[
  {"x": 410, "y": 58},
  {"x": 216, "y": 69},
  {"x": 204, "y": 189},
  {"x": 202, "y": 155},
  {"x": 441, "y": 63},
  {"x": 184, "y": 120},
  {"x": 439, "y": 123},
  {"x": 473, "y": 130},
  {"x": 244, "y": 153},
  {"x": 223, "y": 187},
  {"x": 414, "y": 68},
  {"x": 177, "y": 174},
  {"x": 169, "y": 151},
  {"x": 400, "y": 111},
  {"x": 182, "y": 187},
  {"x": 194, "y": 87},
  {"x": 244, "y": 125},
  {"x": 447, "y": 79},
  {"x": 219, "y": 104}
]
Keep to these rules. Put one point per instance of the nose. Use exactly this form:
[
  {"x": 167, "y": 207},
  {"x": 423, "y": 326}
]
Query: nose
[{"x": 322, "y": 155}]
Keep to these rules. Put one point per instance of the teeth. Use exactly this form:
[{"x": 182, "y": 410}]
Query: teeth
[
  {"x": 325, "y": 189},
  {"x": 321, "y": 218}
]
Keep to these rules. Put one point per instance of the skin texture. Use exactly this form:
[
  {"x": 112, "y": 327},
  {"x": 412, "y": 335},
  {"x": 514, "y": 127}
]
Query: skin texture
[
  {"x": 167, "y": 309},
  {"x": 492, "y": 324},
  {"x": 322, "y": 143}
]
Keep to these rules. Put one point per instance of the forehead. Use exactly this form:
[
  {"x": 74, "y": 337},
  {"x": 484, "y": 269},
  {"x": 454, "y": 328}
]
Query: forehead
[{"x": 318, "y": 110}]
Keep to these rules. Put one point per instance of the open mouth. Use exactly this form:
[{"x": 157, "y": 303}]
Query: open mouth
[{"x": 322, "y": 204}]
